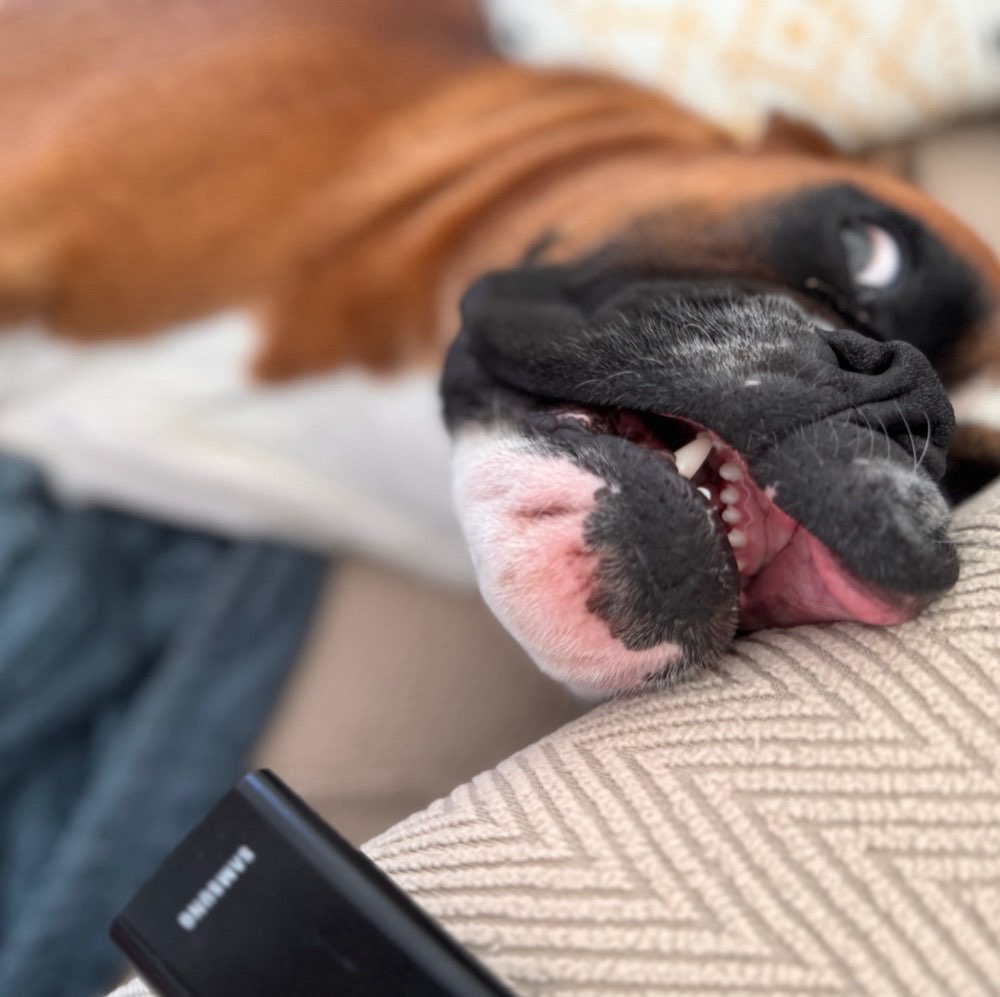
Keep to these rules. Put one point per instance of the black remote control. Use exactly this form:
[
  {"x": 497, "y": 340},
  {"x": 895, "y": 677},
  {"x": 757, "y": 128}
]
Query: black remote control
[{"x": 263, "y": 898}]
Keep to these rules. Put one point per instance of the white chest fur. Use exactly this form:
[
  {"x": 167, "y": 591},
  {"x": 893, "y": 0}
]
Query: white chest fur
[{"x": 173, "y": 427}]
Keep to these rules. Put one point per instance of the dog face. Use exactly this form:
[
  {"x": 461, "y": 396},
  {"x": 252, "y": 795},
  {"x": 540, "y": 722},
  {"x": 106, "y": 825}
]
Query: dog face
[
  {"x": 845, "y": 252},
  {"x": 734, "y": 428}
]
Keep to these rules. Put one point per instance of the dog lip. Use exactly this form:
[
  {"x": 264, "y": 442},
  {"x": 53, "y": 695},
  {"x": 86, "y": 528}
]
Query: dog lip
[{"x": 788, "y": 576}]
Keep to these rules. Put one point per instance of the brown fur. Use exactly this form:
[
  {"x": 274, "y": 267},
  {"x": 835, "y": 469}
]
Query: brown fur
[
  {"x": 348, "y": 167},
  {"x": 161, "y": 157}
]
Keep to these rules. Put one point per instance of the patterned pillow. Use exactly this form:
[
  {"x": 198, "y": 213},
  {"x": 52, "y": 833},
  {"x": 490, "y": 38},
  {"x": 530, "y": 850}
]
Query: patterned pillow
[{"x": 863, "y": 71}]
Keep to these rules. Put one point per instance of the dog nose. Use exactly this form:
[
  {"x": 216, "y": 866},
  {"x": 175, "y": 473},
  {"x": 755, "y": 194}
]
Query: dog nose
[
  {"x": 892, "y": 386},
  {"x": 887, "y": 369},
  {"x": 855, "y": 353}
]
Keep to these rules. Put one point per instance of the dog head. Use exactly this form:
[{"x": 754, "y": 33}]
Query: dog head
[{"x": 721, "y": 419}]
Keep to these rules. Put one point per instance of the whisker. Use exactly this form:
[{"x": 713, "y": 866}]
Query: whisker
[
  {"x": 888, "y": 438},
  {"x": 913, "y": 445},
  {"x": 927, "y": 440},
  {"x": 868, "y": 426}
]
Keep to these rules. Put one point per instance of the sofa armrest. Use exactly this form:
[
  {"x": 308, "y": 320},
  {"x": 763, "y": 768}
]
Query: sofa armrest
[{"x": 822, "y": 813}]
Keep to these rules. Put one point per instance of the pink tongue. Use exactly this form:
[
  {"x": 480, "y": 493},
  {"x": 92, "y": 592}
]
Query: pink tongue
[
  {"x": 804, "y": 583},
  {"x": 792, "y": 577}
]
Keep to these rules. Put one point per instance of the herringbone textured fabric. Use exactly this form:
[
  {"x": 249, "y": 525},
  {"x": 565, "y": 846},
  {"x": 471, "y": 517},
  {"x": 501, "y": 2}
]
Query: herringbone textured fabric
[{"x": 821, "y": 816}]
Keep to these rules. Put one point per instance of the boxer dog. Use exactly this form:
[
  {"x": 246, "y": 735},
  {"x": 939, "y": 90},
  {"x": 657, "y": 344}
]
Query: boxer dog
[{"x": 693, "y": 387}]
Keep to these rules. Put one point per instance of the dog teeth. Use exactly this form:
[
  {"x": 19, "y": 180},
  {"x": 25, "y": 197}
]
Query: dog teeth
[
  {"x": 729, "y": 471},
  {"x": 731, "y": 515},
  {"x": 692, "y": 455},
  {"x": 737, "y": 538},
  {"x": 729, "y": 495},
  {"x": 706, "y": 493}
]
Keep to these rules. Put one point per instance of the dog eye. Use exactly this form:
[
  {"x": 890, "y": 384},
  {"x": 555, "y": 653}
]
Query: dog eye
[{"x": 873, "y": 255}]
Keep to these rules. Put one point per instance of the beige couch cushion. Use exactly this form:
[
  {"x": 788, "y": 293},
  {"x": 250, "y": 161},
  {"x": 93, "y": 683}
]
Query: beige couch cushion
[
  {"x": 821, "y": 815},
  {"x": 961, "y": 168}
]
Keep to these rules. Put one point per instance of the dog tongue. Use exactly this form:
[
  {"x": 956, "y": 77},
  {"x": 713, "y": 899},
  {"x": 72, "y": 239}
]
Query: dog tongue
[
  {"x": 788, "y": 575},
  {"x": 805, "y": 583}
]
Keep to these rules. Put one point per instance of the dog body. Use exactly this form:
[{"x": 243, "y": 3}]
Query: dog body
[{"x": 343, "y": 176}]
